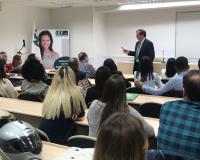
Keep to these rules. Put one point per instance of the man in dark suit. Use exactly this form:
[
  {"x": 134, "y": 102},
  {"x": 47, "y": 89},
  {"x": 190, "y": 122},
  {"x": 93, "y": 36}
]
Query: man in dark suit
[{"x": 143, "y": 47}]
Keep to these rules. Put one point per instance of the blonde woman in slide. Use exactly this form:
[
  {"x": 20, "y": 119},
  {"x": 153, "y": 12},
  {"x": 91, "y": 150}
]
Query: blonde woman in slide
[{"x": 47, "y": 53}]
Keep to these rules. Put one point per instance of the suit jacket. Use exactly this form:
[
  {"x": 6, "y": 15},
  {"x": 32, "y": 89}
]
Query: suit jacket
[{"x": 147, "y": 49}]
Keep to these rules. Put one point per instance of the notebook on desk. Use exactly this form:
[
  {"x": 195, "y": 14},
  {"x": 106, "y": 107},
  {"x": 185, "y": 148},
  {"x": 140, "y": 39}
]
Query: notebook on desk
[{"x": 131, "y": 96}]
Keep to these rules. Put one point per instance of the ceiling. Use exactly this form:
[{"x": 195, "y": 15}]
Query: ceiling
[{"x": 81, "y": 3}]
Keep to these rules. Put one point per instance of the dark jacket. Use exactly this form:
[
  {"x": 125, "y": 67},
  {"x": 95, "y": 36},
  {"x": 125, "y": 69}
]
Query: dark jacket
[{"x": 147, "y": 49}]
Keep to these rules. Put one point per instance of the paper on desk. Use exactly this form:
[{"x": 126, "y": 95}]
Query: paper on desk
[{"x": 77, "y": 154}]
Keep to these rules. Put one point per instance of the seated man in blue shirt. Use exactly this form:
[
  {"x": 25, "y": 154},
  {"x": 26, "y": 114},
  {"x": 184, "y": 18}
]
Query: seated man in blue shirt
[
  {"x": 85, "y": 66},
  {"x": 179, "y": 131},
  {"x": 174, "y": 84}
]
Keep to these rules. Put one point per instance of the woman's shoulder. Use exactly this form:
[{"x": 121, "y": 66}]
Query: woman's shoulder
[
  {"x": 97, "y": 104},
  {"x": 6, "y": 81},
  {"x": 55, "y": 55}
]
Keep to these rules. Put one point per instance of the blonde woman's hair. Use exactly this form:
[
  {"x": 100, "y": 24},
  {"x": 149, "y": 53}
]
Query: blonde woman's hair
[{"x": 63, "y": 95}]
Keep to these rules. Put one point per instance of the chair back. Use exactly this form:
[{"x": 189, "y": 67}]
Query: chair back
[
  {"x": 135, "y": 90},
  {"x": 150, "y": 110},
  {"x": 177, "y": 94},
  {"x": 30, "y": 97},
  {"x": 81, "y": 141}
]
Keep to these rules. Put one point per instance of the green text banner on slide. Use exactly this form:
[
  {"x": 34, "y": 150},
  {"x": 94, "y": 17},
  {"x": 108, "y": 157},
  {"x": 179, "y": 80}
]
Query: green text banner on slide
[{"x": 62, "y": 61}]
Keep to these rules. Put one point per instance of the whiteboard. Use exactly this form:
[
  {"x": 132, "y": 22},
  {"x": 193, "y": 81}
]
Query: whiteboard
[{"x": 188, "y": 35}]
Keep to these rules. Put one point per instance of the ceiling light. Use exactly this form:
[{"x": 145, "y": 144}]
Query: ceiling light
[{"x": 158, "y": 5}]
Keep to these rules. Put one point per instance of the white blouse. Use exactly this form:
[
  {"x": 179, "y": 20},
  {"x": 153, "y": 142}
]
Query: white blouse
[{"x": 155, "y": 82}]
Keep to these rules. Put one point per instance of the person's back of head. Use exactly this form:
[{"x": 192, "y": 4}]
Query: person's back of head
[
  {"x": 146, "y": 69},
  {"x": 181, "y": 64},
  {"x": 2, "y": 72},
  {"x": 114, "y": 96},
  {"x": 191, "y": 84},
  {"x": 33, "y": 70},
  {"x": 3, "y": 56},
  {"x": 199, "y": 64},
  {"x": 111, "y": 65},
  {"x": 83, "y": 57},
  {"x": 121, "y": 137},
  {"x": 170, "y": 67},
  {"x": 31, "y": 56},
  {"x": 17, "y": 60},
  {"x": 73, "y": 64},
  {"x": 63, "y": 95},
  {"x": 101, "y": 76}
]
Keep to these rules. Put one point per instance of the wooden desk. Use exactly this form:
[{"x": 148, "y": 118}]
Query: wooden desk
[
  {"x": 21, "y": 107},
  {"x": 152, "y": 121},
  {"x": 16, "y": 77},
  {"x": 51, "y": 151},
  {"x": 35, "y": 108},
  {"x": 142, "y": 98},
  {"x": 92, "y": 81},
  {"x": 127, "y": 67}
]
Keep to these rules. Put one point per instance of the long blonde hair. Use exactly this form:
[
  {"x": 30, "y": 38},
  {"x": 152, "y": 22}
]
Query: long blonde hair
[{"x": 63, "y": 95}]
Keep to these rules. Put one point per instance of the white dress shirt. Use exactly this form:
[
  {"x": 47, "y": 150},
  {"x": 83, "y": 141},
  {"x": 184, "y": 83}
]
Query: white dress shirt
[{"x": 175, "y": 83}]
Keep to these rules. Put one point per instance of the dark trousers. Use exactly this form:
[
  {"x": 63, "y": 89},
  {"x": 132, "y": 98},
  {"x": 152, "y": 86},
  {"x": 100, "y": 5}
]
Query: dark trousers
[{"x": 136, "y": 67}]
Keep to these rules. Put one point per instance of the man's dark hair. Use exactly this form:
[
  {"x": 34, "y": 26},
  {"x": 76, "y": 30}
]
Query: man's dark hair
[
  {"x": 33, "y": 70},
  {"x": 82, "y": 55},
  {"x": 199, "y": 63},
  {"x": 191, "y": 84},
  {"x": 142, "y": 32},
  {"x": 181, "y": 63}
]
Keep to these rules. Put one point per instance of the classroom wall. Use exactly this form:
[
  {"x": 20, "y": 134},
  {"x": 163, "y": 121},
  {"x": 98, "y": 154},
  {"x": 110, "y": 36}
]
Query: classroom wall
[
  {"x": 103, "y": 33},
  {"x": 100, "y": 34},
  {"x": 160, "y": 25},
  {"x": 16, "y": 23},
  {"x": 79, "y": 21}
]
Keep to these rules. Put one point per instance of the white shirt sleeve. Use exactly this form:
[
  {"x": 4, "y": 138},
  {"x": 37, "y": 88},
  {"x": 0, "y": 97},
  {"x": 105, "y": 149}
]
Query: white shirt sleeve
[{"x": 170, "y": 85}]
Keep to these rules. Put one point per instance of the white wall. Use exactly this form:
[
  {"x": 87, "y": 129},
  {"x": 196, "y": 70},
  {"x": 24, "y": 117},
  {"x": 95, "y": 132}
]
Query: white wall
[
  {"x": 16, "y": 24},
  {"x": 160, "y": 27},
  {"x": 99, "y": 34},
  {"x": 79, "y": 21},
  {"x": 102, "y": 34}
]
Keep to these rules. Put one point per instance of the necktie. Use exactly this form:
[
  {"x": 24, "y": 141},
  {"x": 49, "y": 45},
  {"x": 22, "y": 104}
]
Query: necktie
[{"x": 137, "y": 51}]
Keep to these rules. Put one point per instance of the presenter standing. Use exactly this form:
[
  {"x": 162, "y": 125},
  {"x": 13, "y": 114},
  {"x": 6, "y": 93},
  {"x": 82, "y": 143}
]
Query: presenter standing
[
  {"x": 48, "y": 55},
  {"x": 143, "y": 47}
]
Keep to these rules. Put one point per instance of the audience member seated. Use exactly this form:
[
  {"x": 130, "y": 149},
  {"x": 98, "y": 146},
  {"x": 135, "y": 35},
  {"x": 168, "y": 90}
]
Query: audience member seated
[
  {"x": 33, "y": 72},
  {"x": 85, "y": 66},
  {"x": 121, "y": 137},
  {"x": 95, "y": 92},
  {"x": 174, "y": 84},
  {"x": 15, "y": 66},
  {"x": 113, "y": 100},
  {"x": 146, "y": 74},
  {"x": 113, "y": 67},
  {"x": 170, "y": 71},
  {"x": 63, "y": 105},
  {"x": 74, "y": 65},
  {"x": 4, "y": 57},
  {"x": 46, "y": 77},
  {"x": 6, "y": 88},
  {"x": 179, "y": 131}
]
